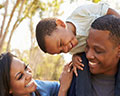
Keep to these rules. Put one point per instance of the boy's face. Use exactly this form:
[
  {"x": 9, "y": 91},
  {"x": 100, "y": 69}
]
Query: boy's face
[{"x": 61, "y": 40}]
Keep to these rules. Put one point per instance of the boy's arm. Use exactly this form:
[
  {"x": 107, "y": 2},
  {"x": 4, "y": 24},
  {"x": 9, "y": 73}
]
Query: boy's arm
[
  {"x": 77, "y": 62},
  {"x": 113, "y": 12}
]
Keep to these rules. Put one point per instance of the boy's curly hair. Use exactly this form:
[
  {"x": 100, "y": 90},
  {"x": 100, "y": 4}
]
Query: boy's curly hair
[{"x": 44, "y": 27}]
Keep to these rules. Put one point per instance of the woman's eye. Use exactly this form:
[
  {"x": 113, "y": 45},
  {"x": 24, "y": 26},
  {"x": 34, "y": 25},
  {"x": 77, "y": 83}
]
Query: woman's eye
[
  {"x": 21, "y": 75},
  {"x": 26, "y": 66}
]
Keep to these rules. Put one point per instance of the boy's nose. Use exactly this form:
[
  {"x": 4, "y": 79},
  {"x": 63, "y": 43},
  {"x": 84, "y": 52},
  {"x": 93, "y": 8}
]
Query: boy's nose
[{"x": 65, "y": 48}]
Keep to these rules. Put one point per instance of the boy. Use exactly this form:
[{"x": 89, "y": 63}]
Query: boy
[{"x": 54, "y": 36}]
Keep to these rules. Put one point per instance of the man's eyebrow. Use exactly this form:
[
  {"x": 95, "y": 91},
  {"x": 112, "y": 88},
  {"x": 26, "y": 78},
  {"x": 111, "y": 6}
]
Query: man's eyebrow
[
  {"x": 96, "y": 46},
  {"x": 99, "y": 47}
]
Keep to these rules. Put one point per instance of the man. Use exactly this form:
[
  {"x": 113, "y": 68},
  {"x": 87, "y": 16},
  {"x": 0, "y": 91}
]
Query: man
[{"x": 101, "y": 76}]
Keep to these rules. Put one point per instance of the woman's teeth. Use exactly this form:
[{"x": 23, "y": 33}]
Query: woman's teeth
[{"x": 32, "y": 81}]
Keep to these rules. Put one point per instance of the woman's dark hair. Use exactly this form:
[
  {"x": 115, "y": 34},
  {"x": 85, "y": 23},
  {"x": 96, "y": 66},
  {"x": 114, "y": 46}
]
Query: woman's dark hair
[{"x": 5, "y": 63}]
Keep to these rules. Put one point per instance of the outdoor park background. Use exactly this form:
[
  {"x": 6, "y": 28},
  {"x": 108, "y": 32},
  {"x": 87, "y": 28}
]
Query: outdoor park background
[{"x": 18, "y": 19}]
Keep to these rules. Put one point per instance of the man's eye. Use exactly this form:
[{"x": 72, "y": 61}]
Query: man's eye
[
  {"x": 99, "y": 51},
  {"x": 21, "y": 75}
]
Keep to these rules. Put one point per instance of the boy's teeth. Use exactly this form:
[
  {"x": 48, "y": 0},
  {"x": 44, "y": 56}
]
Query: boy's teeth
[{"x": 70, "y": 45}]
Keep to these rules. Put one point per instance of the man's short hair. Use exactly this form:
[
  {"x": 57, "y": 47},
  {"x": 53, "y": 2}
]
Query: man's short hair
[
  {"x": 110, "y": 23},
  {"x": 44, "y": 27}
]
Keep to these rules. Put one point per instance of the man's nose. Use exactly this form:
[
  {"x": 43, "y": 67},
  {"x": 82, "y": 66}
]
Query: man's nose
[{"x": 90, "y": 54}]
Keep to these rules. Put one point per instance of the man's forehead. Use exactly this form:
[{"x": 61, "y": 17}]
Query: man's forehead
[
  {"x": 98, "y": 33},
  {"x": 98, "y": 36}
]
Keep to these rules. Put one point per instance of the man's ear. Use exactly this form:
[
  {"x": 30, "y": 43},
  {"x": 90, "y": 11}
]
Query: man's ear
[{"x": 60, "y": 22}]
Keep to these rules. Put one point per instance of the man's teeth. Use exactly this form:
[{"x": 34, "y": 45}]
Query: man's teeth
[{"x": 92, "y": 63}]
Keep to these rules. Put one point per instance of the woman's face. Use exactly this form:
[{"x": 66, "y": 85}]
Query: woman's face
[{"x": 21, "y": 81}]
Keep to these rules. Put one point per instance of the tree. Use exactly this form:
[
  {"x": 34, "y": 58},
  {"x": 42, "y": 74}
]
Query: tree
[
  {"x": 24, "y": 9},
  {"x": 21, "y": 10}
]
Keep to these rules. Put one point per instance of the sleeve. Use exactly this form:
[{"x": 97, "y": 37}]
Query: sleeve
[
  {"x": 83, "y": 16},
  {"x": 48, "y": 88}
]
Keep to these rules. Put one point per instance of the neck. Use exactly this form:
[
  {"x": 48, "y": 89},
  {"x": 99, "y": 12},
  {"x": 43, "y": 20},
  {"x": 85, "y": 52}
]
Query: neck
[
  {"x": 112, "y": 72},
  {"x": 71, "y": 27}
]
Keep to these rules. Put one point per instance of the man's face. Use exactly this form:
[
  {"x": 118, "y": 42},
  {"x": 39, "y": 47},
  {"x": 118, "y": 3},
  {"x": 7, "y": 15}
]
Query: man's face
[
  {"x": 61, "y": 40},
  {"x": 101, "y": 53}
]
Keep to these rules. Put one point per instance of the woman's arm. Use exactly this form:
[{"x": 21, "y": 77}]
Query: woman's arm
[{"x": 65, "y": 79}]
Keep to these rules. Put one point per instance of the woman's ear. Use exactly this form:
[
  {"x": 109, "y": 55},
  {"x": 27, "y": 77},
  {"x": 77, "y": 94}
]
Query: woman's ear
[
  {"x": 10, "y": 91},
  {"x": 60, "y": 22}
]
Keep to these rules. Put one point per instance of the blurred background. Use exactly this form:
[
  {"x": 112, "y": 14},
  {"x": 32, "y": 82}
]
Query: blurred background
[{"x": 18, "y": 19}]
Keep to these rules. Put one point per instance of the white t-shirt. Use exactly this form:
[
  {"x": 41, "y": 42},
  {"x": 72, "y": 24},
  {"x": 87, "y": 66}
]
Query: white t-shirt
[{"x": 82, "y": 17}]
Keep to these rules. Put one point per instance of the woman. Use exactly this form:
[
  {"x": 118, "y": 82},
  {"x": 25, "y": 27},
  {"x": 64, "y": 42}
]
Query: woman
[{"x": 16, "y": 79}]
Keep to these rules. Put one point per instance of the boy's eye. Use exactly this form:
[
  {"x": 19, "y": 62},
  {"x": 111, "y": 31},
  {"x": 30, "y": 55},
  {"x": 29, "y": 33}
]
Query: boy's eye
[
  {"x": 21, "y": 75},
  {"x": 61, "y": 43}
]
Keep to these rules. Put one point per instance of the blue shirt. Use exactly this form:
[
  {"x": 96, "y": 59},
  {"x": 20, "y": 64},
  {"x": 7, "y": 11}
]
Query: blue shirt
[{"x": 47, "y": 88}]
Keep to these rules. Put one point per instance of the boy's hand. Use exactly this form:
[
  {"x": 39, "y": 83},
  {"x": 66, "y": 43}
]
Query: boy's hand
[{"x": 77, "y": 63}]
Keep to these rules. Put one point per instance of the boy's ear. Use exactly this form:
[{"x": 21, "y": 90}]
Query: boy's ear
[{"x": 60, "y": 22}]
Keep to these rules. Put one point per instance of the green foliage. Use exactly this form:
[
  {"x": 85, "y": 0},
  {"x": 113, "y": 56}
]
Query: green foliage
[
  {"x": 44, "y": 66},
  {"x": 1, "y": 6},
  {"x": 96, "y": 1},
  {"x": 50, "y": 68},
  {"x": 49, "y": 7}
]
